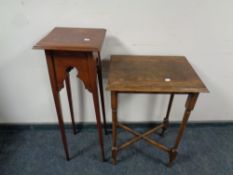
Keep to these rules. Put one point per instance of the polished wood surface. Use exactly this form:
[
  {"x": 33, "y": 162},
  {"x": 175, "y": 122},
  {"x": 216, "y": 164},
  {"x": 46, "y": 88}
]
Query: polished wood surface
[
  {"x": 153, "y": 74},
  {"x": 150, "y": 74},
  {"x": 73, "y": 39},
  {"x": 68, "y": 48}
]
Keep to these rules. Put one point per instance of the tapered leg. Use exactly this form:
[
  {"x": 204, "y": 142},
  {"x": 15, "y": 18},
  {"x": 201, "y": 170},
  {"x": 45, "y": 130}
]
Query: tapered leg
[
  {"x": 98, "y": 120},
  {"x": 114, "y": 126},
  {"x": 94, "y": 90},
  {"x": 99, "y": 72},
  {"x": 55, "y": 90},
  {"x": 166, "y": 119},
  {"x": 69, "y": 95},
  {"x": 190, "y": 103}
]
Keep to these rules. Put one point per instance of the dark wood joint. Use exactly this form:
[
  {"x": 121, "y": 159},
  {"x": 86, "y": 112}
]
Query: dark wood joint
[
  {"x": 92, "y": 69},
  {"x": 114, "y": 101},
  {"x": 172, "y": 156},
  {"x": 191, "y": 101}
]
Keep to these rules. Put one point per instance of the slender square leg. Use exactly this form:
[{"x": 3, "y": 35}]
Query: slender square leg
[
  {"x": 69, "y": 95},
  {"x": 98, "y": 121},
  {"x": 94, "y": 90},
  {"x": 114, "y": 126},
  {"x": 55, "y": 90},
  {"x": 190, "y": 103},
  {"x": 100, "y": 79}
]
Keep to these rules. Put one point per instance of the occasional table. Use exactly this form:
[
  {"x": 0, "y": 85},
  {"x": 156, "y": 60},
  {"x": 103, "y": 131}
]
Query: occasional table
[
  {"x": 154, "y": 75},
  {"x": 67, "y": 48}
]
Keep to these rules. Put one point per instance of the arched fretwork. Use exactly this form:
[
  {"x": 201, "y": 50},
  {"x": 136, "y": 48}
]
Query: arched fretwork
[
  {"x": 59, "y": 62},
  {"x": 84, "y": 62}
]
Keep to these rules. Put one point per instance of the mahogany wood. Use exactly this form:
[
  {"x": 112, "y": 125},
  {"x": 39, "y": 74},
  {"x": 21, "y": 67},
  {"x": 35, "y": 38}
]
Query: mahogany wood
[
  {"x": 69, "y": 95},
  {"x": 68, "y": 48},
  {"x": 73, "y": 39},
  {"x": 55, "y": 90},
  {"x": 100, "y": 79}
]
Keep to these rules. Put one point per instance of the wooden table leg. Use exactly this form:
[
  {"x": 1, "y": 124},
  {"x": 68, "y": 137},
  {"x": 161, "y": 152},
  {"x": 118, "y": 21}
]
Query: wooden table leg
[
  {"x": 189, "y": 106},
  {"x": 94, "y": 90},
  {"x": 98, "y": 120},
  {"x": 166, "y": 119},
  {"x": 55, "y": 90},
  {"x": 69, "y": 95},
  {"x": 114, "y": 126},
  {"x": 99, "y": 72}
]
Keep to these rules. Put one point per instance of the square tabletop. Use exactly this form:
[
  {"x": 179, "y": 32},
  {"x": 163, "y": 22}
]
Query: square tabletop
[
  {"x": 158, "y": 74},
  {"x": 72, "y": 39}
]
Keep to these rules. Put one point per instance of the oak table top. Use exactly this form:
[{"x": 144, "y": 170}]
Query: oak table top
[
  {"x": 72, "y": 39},
  {"x": 158, "y": 74}
]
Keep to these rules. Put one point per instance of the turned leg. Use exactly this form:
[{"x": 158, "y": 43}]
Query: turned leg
[
  {"x": 55, "y": 90},
  {"x": 166, "y": 119},
  {"x": 69, "y": 95},
  {"x": 99, "y": 72},
  {"x": 114, "y": 126},
  {"x": 189, "y": 106}
]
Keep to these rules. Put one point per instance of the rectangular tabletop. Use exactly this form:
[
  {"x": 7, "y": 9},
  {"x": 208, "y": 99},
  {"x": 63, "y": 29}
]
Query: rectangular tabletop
[
  {"x": 73, "y": 39},
  {"x": 159, "y": 74}
]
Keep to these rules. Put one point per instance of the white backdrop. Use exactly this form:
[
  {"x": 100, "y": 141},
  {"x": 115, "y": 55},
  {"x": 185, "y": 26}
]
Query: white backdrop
[{"x": 202, "y": 30}]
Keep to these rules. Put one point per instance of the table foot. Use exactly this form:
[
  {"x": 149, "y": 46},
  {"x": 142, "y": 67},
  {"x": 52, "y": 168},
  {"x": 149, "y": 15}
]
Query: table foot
[
  {"x": 114, "y": 155},
  {"x": 172, "y": 156}
]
